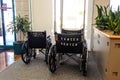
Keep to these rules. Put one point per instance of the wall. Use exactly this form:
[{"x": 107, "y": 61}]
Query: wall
[
  {"x": 40, "y": 12},
  {"x": 22, "y": 7},
  {"x": 88, "y": 22},
  {"x": 99, "y": 2},
  {"x": 42, "y": 16}
]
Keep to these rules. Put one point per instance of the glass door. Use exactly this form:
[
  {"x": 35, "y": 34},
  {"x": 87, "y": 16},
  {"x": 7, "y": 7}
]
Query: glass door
[{"x": 6, "y": 17}]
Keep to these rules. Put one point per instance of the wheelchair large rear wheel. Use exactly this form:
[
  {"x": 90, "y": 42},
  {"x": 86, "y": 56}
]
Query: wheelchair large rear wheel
[
  {"x": 84, "y": 61},
  {"x": 52, "y": 60},
  {"x": 26, "y": 55},
  {"x": 47, "y": 51},
  {"x": 46, "y": 56}
]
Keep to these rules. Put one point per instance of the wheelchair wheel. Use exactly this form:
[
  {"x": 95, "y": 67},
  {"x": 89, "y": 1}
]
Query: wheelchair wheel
[
  {"x": 46, "y": 56},
  {"x": 52, "y": 60},
  {"x": 84, "y": 61},
  {"x": 49, "y": 44},
  {"x": 26, "y": 56}
]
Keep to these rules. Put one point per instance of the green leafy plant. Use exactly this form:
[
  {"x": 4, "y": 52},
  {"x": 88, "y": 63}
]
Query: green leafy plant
[
  {"x": 20, "y": 25},
  {"x": 108, "y": 19},
  {"x": 102, "y": 17}
]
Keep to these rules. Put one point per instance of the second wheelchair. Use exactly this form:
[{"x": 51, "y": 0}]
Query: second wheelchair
[{"x": 36, "y": 40}]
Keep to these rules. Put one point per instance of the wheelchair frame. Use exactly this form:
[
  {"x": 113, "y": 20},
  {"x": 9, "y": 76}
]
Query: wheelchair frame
[{"x": 36, "y": 40}]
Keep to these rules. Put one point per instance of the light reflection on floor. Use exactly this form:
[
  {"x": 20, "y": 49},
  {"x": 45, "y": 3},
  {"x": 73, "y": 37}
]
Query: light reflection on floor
[{"x": 6, "y": 59}]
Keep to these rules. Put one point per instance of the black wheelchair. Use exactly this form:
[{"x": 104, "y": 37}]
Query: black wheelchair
[
  {"x": 69, "y": 43},
  {"x": 36, "y": 40}
]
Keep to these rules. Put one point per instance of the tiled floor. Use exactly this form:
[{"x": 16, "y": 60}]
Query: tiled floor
[{"x": 7, "y": 58}]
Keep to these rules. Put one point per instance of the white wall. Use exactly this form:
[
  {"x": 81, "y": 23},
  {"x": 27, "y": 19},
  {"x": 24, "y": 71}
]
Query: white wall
[
  {"x": 22, "y": 7},
  {"x": 88, "y": 22},
  {"x": 42, "y": 15}
]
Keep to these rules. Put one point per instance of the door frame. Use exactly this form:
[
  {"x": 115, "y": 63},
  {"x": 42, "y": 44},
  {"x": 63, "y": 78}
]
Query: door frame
[{"x": 2, "y": 14}]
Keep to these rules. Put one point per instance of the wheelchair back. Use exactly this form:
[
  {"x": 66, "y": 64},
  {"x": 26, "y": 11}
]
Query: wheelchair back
[
  {"x": 69, "y": 43},
  {"x": 37, "y": 39}
]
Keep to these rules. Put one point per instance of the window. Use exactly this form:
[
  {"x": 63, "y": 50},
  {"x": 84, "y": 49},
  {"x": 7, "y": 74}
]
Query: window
[
  {"x": 114, "y": 4},
  {"x": 69, "y": 14}
]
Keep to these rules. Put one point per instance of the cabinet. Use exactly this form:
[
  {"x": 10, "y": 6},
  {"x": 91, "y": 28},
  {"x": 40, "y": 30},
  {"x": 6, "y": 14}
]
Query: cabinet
[{"x": 107, "y": 54}]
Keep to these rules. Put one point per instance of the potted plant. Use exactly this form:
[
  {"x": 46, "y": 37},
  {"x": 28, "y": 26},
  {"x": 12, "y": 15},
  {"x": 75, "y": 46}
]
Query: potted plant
[
  {"x": 20, "y": 26},
  {"x": 107, "y": 19},
  {"x": 107, "y": 42}
]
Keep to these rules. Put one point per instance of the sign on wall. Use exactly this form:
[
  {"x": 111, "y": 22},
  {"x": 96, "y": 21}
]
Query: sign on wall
[{"x": 4, "y": 7}]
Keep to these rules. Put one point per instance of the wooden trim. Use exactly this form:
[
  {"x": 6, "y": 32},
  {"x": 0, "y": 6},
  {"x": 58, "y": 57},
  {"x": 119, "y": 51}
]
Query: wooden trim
[{"x": 110, "y": 35}]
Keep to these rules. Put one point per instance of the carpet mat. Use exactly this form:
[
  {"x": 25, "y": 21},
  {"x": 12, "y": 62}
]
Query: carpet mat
[{"x": 38, "y": 70}]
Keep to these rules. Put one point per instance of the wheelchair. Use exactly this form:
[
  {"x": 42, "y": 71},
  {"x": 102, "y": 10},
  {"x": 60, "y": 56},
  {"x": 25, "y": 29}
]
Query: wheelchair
[
  {"x": 36, "y": 40},
  {"x": 66, "y": 43}
]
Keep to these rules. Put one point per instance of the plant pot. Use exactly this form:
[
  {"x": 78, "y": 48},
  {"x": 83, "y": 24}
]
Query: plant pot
[
  {"x": 18, "y": 47},
  {"x": 107, "y": 54}
]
